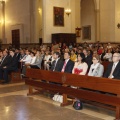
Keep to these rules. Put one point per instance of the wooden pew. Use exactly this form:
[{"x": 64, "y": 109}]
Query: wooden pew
[
  {"x": 15, "y": 77},
  {"x": 97, "y": 86},
  {"x": 105, "y": 64}
]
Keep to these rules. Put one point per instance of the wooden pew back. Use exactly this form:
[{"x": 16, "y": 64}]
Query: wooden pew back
[{"x": 94, "y": 84}]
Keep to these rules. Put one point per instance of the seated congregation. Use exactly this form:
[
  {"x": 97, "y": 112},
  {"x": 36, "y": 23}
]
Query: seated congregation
[{"x": 81, "y": 59}]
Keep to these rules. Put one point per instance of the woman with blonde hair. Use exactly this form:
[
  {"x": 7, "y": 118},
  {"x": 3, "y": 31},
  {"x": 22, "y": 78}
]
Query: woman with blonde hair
[
  {"x": 38, "y": 61},
  {"x": 96, "y": 68},
  {"x": 73, "y": 56}
]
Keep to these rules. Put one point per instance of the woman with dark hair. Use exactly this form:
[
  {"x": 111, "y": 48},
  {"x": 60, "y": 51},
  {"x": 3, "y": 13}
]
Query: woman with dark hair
[{"x": 80, "y": 66}]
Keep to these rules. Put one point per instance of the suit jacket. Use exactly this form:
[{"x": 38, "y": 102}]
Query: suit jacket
[
  {"x": 58, "y": 66},
  {"x": 5, "y": 62},
  {"x": 13, "y": 64},
  {"x": 69, "y": 66},
  {"x": 17, "y": 55},
  {"x": 98, "y": 72},
  {"x": 21, "y": 56},
  {"x": 116, "y": 72},
  {"x": 88, "y": 60}
]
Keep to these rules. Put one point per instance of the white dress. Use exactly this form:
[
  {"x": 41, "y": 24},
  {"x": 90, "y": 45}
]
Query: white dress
[{"x": 82, "y": 66}]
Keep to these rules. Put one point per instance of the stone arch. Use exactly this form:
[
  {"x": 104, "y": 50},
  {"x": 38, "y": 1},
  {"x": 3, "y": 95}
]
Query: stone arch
[{"x": 96, "y": 3}]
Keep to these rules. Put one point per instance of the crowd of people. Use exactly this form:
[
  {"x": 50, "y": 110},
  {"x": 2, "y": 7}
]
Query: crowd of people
[{"x": 81, "y": 59}]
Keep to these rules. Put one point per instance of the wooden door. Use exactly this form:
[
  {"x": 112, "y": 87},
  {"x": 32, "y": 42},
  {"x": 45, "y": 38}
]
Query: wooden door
[{"x": 16, "y": 38}]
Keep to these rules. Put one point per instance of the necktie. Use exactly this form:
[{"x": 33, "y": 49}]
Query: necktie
[
  {"x": 2, "y": 60},
  {"x": 63, "y": 69},
  {"x": 113, "y": 68},
  {"x": 24, "y": 57}
]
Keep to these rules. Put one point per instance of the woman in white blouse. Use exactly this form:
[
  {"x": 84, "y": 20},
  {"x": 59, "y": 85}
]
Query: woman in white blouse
[
  {"x": 27, "y": 65},
  {"x": 38, "y": 61},
  {"x": 80, "y": 66},
  {"x": 108, "y": 56},
  {"x": 33, "y": 58},
  {"x": 96, "y": 68},
  {"x": 46, "y": 60}
]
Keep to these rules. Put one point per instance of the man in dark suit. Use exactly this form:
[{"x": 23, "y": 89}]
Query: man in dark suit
[
  {"x": 11, "y": 66},
  {"x": 22, "y": 54},
  {"x": 5, "y": 59},
  {"x": 113, "y": 70},
  {"x": 88, "y": 58},
  {"x": 57, "y": 63},
  {"x": 17, "y": 53},
  {"x": 68, "y": 64}
]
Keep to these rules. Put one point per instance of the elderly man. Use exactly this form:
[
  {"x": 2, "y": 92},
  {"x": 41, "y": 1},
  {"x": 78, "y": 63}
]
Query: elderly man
[{"x": 113, "y": 70}]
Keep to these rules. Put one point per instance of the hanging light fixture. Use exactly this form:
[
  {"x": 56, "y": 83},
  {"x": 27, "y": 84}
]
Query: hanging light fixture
[{"x": 68, "y": 10}]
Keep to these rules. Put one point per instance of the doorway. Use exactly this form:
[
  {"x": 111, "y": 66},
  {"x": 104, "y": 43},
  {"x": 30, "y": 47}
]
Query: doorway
[{"x": 16, "y": 38}]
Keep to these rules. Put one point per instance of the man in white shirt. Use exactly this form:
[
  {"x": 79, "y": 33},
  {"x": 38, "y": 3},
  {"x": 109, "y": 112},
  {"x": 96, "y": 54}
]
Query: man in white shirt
[{"x": 26, "y": 60}]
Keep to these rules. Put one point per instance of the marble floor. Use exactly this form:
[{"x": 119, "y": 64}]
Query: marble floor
[{"x": 16, "y": 105}]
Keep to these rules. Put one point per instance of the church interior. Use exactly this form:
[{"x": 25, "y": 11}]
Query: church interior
[{"x": 60, "y": 59}]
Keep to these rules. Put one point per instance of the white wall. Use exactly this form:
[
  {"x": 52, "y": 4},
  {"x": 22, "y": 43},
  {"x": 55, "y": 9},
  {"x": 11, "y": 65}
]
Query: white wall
[
  {"x": 88, "y": 16},
  {"x": 49, "y": 27},
  {"x": 107, "y": 20},
  {"x": 17, "y": 12},
  {"x": 78, "y": 17},
  {"x": 41, "y": 25},
  {"x": 117, "y": 20}
]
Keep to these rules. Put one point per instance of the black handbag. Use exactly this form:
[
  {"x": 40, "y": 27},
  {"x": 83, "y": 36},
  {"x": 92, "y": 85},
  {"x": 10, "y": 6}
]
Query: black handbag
[{"x": 78, "y": 105}]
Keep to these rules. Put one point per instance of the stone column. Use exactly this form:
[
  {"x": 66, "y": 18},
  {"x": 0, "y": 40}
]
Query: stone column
[
  {"x": 97, "y": 19},
  {"x": 44, "y": 21},
  {"x": 3, "y": 22},
  {"x": 31, "y": 21}
]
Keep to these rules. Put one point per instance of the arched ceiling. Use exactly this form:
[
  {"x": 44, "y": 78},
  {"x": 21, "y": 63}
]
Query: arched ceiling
[{"x": 96, "y": 4}]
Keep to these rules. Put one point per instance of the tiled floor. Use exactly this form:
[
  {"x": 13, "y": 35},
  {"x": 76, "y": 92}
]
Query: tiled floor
[{"x": 16, "y": 105}]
